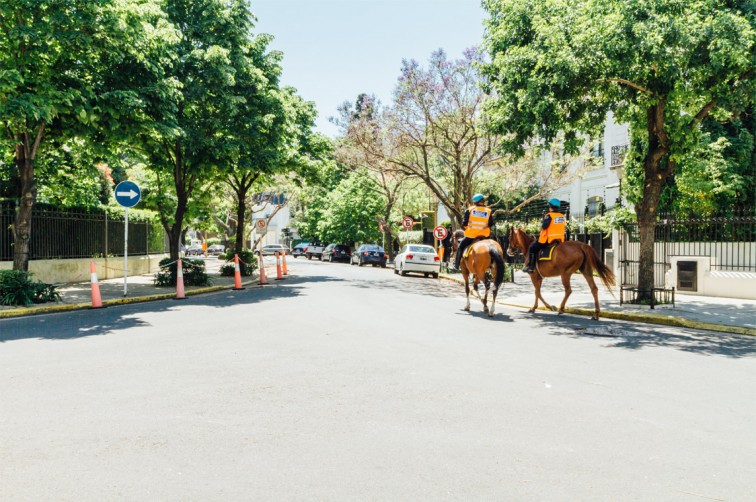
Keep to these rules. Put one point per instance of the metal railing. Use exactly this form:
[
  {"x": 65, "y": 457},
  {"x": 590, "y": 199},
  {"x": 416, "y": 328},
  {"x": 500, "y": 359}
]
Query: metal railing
[{"x": 67, "y": 233}]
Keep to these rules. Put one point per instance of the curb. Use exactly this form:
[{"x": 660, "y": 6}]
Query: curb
[
  {"x": 51, "y": 309},
  {"x": 679, "y": 322}
]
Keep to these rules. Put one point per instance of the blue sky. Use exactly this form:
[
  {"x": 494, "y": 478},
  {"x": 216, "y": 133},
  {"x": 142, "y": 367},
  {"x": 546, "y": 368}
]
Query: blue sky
[{"x": 336, "y": 49}]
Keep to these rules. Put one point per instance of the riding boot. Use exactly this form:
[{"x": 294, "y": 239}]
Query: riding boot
[{"x": 531, "y": 262}]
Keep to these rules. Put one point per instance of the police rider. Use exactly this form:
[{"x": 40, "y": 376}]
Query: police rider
[
  {"x": 552, "y": 230},
  {"x": 477, "y": 222}
]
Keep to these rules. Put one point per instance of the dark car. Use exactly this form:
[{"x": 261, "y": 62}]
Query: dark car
[
  {"x": 299, "y": 249},
  {"x": 369, "y": 254},
  {"x": 337, "y": 252}
]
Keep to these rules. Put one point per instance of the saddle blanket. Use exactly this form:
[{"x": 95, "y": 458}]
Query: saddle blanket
[{"x": 546, "y": 253}]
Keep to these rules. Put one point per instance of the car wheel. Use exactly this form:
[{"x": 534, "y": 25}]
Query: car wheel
[
  {"x": 361, "y": 263},
  {"x": 396, "y": 271},
  {"x": 435, "y": 275},
  {"x": 402, "y": 272},
  {"x": 425, "y": 275},
  {"x": 320, "y": 257},
  {"x": 383, "y": 265},
  {"x": 309, "y": 257},
  {"x": 330, "y": 258}
]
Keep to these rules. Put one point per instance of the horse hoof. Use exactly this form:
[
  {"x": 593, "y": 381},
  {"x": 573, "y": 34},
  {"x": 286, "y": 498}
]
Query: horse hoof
[
  {"x": 485, "y": 310},
  {"x": 554, "y": 309},
  {"x": 531, "y": 311},
  {"x": 466, "y": 309},
  {"x": 490, "y": 314}
]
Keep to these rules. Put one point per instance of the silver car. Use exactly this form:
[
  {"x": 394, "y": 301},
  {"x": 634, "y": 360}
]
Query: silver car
[{"x": 417, "y": 258}]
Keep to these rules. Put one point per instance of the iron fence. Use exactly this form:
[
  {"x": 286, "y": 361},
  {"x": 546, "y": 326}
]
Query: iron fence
[
  {"x": 728, "y": 242},
  {"x": 66, "y": 233}
]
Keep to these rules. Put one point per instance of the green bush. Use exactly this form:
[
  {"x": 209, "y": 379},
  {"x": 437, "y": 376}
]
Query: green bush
[
  {"x": 247, "y": 263},
  {"x": 17, "y": 288},
  {"x": 213, "y": 240},
  {"x": 193, "y": 270}
]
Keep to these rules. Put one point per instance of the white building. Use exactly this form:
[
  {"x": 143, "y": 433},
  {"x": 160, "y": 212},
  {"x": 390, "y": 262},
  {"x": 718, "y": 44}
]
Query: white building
[
  {"x": 273, "y": 233},
  {"x": 602, "y": 184}
]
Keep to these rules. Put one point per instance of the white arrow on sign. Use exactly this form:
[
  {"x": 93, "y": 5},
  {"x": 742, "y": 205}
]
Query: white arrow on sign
[{"x": 130, "y": 194}]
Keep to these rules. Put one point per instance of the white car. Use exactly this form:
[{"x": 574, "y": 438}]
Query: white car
[
  {"x": 417, "y": 258},
  {"x": 271, "y": 249}
]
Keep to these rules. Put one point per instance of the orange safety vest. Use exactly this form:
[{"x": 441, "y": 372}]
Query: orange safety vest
[
  {"x": 555, "y": 230},
  {"x": 477, "y": 223}
]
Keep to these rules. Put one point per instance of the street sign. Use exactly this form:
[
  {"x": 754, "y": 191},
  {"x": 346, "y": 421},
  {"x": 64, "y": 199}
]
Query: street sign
[
  {"x": 440, "y": 233},
  {"x": 127, "y": 193},
  {"x": 261, "y": 224},
  {"x": 407, "y": 222}
]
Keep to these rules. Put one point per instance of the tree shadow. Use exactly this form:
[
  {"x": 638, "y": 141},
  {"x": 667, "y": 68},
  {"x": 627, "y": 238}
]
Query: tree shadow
[
  {"x": 635, "y": 336},
  {"x": 95, "y": 322}
]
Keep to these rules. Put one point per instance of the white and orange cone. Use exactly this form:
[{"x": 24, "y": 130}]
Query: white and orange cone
[
  {"x": 96, "y": 299},
  {"x": 263, "y": 278},
  {"x": 237, "y": 274},
  {"x": 279, "y": 273},
  {"x": 180, "y": 281},
  {"x": 283, "y": 263}
]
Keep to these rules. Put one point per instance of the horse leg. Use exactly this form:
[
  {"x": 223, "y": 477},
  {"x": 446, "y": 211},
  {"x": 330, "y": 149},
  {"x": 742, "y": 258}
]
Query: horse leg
[
  {"x": 567, "y": 289},
  {"x": 536, "y": 280},
  {"x": 594, "y": 290},
  {"x": 493, "y": 297},
  {"x": 487, "y": 285}
]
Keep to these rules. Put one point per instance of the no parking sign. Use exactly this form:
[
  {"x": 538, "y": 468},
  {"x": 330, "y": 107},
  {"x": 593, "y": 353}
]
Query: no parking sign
[{"x": 440, "y": 233}]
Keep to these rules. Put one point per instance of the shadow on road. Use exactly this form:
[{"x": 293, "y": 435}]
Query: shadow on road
[{"x": 84, "y": 323}]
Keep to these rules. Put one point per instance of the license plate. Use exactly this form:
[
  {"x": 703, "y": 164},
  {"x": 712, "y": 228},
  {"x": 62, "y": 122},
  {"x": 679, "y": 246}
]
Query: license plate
[{"x": 423, "y": 258}]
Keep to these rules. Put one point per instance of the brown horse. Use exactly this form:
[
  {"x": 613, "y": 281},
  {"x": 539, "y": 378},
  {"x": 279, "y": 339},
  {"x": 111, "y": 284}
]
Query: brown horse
[
  {"x": 484, "y": 262},
  {"x": 566, "y": 259}
]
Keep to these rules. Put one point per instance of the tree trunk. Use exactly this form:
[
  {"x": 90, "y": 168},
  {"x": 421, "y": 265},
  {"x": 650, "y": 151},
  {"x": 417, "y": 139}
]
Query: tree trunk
[
  {"x": 648, "y": 208},
  {"x": 23, "y": 225},
  {"x": 175, "y": 231},
  {"x": 241, "y": 213}
]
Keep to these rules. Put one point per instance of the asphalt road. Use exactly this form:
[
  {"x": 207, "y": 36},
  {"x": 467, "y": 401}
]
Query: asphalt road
[{"x": 347, "y": 383}]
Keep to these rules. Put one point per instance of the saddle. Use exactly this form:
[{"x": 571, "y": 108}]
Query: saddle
[
  {"x": 469, "y": 248},
  {"x": 546, "y": 253}
]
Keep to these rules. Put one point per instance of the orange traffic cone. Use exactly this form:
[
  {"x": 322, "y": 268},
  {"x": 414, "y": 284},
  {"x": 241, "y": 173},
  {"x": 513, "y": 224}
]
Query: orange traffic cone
[
  {"x": 263, "y": 279},
  {"x": 279, "y": 275},
  {"x": 237, "y": 274},
  {"x": 96, "y": 300},
  {"x": 180, "y": 281},
  {"x": 283, "y": 263}
]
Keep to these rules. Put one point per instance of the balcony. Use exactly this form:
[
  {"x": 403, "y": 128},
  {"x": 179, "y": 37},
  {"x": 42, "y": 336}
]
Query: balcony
[{"x": 618, "y": 156}]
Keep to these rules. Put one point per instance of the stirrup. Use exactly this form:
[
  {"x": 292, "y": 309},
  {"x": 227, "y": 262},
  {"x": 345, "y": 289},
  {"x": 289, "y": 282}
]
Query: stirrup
[{"x": 528, "y": 269}]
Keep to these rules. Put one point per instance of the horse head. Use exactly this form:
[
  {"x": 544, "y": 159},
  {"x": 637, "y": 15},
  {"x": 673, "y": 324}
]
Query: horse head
[{"x": 518, "y": 241}]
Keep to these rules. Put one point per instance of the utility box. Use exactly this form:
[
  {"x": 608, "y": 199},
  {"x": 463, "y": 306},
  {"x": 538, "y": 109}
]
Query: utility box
[
  {"x": 687, "y": 276},
  {"x": 609, "y": 259}
]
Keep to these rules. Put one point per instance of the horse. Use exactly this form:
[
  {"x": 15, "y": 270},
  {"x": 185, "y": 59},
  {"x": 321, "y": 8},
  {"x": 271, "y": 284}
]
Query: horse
[
  {"x": 567, "y": 257},
  {"x": 485, "y": 261}
]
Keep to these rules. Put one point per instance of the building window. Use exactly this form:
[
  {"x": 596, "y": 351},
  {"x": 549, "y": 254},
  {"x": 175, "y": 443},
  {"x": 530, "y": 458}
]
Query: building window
[
  {"x": 618, "y": 155},
  {"x": 594, "y": 206},
  {"x": 598, "y": 148}
]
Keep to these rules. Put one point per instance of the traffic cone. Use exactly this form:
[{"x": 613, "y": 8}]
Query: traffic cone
[
  {"x": 263, "y": 279},
  {"x": 96, "y": 300},
  {"x": 283, "y": 263},
  {"x": 180, "y": 281},
  {"x": 279, "y": 275},
  {"x": 237, "y": 274}
]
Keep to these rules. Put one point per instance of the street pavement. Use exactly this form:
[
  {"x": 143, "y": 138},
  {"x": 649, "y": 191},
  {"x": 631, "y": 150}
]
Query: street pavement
[
  {"x": 347, "y": 383},
  {"x": 725, "y": 314}
]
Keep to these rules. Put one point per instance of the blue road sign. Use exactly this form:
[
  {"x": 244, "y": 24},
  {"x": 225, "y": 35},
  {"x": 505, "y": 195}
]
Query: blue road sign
[{"x": 127, "y": 193}]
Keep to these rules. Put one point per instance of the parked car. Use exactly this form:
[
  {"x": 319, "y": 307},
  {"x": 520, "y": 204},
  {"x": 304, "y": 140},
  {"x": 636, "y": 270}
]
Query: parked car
[
  {"x": 315, "y": 250},
  {"x": 216, "y": 249},
  {"x": 299, "y": 249},
  {"x": 369, "y": 253},
  {"x": 194, "y": 250},
  {"x": 271, "y": 249},
  {"x": 417, "y": 258},
  {"x": 337, "y": 252}
]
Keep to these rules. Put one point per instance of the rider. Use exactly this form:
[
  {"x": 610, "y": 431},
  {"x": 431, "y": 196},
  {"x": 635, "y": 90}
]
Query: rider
[
  {"x": 552, "y": 229},
  {"x": 477, "y": 222}
]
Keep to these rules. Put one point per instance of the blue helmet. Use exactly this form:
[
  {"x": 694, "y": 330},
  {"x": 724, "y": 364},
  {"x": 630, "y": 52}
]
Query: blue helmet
[
  {"x": 555, "y": 202},
  {"x": 478, "y": 197}
]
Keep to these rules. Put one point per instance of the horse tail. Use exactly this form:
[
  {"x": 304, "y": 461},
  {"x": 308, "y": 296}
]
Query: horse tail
[
  {"x": 498, "y": 259},
  {"x": 593, "y": 262}
]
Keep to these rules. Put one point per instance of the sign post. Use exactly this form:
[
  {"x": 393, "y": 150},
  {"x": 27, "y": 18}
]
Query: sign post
[
  {"x": 260, "y": 226},
  {"x": 127, "y": 194},
  {"x": 440, "y": 233},
  {"x": 407, "y": 223}
]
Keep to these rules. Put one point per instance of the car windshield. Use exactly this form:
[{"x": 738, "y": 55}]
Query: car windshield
[
  {"x": 372, "y": 248},
  {"x": 421, "y": 249}
]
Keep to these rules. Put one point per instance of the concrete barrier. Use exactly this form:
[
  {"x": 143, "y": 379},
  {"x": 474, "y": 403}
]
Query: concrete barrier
[{"x": 77, "y": 269}]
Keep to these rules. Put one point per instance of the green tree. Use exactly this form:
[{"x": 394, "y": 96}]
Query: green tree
[
  {"x": 663, "y": 66},
  {"x": 349, "y": 211},
  {"x": 181, "y": 136}
]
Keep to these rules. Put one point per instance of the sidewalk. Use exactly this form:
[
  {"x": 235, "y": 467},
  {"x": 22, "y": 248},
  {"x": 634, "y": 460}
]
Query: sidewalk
[
  {"x": 140, "y": 288},
  {"x": 728, "y": 315}
]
